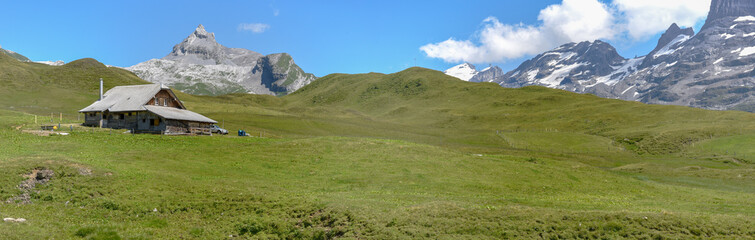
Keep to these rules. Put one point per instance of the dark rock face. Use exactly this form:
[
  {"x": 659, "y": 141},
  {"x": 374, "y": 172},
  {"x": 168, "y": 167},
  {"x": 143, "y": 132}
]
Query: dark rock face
[
  {"x": 488, "y": 74},
  {"x": 280, "y": 74},
  {"x": 729, "y": 8}
]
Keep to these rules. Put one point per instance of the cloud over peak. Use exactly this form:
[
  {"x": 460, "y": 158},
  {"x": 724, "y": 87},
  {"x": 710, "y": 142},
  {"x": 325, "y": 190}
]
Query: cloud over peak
[
  {"x": 570, "y": 21},
  {"x": 253, "y": 27},
  {"x": 645, "y": 18}
]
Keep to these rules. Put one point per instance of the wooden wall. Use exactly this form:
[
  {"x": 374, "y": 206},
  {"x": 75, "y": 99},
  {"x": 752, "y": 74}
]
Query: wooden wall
[{"x": 164, "y": 99}]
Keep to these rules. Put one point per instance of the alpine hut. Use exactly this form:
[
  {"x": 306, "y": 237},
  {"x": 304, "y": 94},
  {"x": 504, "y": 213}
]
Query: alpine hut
[{"x": 151, "y": 108}]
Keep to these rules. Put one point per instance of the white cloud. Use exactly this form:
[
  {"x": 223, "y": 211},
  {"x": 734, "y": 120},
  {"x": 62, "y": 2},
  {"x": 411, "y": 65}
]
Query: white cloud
[
  {"x": 578, "y": 20},
  {"x": 570, "y": 21},
  {"x": 254, "y": 27},
  {"x": 645, "y": 18}
]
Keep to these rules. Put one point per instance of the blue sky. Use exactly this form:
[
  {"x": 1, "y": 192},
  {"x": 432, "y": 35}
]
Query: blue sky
[{"x": 324, "y": 37}]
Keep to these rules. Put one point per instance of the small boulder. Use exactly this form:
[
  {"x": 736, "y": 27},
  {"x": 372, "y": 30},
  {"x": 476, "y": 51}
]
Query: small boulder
[{"x": 14, "y": 220}]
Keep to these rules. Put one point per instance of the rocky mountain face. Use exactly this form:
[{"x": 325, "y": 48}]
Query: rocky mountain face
[
  {"x": 571, "y": 67},
  {"x": 721, "y": 9},
  {"x": 15, "y": 55},
  {"x": 200, "y": 65},
  {"x": 714, "y": 69},
  {"x": 488, "y": 74}
]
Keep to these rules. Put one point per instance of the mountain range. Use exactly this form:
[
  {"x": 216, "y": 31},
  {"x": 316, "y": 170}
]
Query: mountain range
[
  {"x": 469, "y": 73},
  {"x": 713, "y": 69},
  {"x": 200, "y": 65}
]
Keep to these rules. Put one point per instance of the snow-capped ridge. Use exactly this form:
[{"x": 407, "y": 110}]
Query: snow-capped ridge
[
  {"x": 712, "y": 69},
  {"x": 464, "y": 71},
  {"x": 52, "y": 63}
]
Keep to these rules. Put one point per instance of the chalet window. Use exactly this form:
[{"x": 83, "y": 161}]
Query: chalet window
[
  {"x": 122, "y": 116},
  {"x": 165, "y": 102},
  {"x": 157, "y": 101}
]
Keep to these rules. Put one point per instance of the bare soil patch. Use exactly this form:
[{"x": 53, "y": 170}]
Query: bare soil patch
[{"x": 37, "y": 176}]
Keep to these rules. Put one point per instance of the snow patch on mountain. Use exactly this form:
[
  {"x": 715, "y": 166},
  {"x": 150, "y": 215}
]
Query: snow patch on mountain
[
  {"x": 558, "y": 75},
  {"x": 51, "y": 63},
  {"x": 532, "y": 74},
  {"x": 673, "y": 46},
  {"x": 745, "y": 19},
  {"x": 747, "y": 51}
]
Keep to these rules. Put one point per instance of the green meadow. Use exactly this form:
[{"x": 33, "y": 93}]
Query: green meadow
[{"x": 410, "y": 155}]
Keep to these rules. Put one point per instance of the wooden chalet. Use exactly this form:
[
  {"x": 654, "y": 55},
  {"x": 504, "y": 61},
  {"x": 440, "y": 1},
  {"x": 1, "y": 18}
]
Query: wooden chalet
[{"x": 151, "y": 108}]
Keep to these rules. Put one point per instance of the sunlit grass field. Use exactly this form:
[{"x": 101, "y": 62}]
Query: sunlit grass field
[{"x": 411, "y": 155}]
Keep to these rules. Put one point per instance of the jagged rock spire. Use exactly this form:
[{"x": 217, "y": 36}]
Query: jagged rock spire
[{"x": 201, "y": 33}]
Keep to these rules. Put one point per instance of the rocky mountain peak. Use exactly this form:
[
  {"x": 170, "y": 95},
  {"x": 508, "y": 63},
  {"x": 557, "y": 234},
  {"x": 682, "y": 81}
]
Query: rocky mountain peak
[
  {"x": 201, "y": 33},
  {"x": 598, "y": 52},
  {"x": 201, "y": 65},
  {"x": 201, "y": 47},
  {"x": 671, "y": 33},
  {"x": 467, "y": 65},
  {"x": 669, "y": 41},
  {"x": 729, "y": 8}
]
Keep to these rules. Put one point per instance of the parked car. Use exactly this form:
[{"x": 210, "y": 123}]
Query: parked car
[{"x": 216, "y": 129}]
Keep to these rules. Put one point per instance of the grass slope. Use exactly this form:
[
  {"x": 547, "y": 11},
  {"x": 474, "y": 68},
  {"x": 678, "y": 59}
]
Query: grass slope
[
  {"x": 205, "y": 187},
  {"x": 415, "y": 154},
  {"x": 42, "y": 89},
  {"x": 428, "y": 106}
]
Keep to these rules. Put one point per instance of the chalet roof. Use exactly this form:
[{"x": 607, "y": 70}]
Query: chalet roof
[
  {"x": 178, "y": 114},
  {"x": 125, "y": 98}
]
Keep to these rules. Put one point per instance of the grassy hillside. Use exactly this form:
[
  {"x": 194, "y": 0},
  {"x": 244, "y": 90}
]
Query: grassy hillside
[
  {"x": 427, "y": 106},
  {"x": 146, "y": 186},
  {"x": 410, "y": 155},
  {"x": 42, "y": 89}
]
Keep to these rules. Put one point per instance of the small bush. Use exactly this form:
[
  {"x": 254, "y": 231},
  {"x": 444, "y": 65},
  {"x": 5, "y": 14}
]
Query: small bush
[{"x": 83, "y": 232}]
